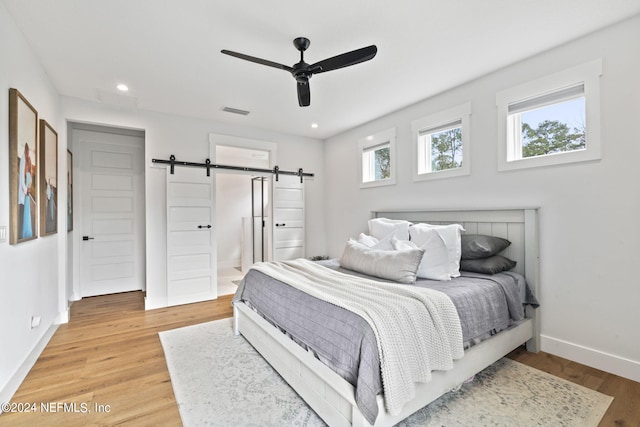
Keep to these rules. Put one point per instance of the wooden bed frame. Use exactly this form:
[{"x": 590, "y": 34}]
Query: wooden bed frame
[{"x": 333, "y": 398}]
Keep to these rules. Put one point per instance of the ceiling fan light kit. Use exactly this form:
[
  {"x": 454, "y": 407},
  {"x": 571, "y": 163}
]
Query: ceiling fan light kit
[{"x": 302, "y": 71}]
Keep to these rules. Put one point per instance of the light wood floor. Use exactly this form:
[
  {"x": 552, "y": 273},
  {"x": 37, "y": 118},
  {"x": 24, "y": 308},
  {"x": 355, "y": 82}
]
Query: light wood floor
[{"x": 110, "y": 354}]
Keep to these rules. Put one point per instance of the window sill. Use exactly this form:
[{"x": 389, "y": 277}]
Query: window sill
[{"x": 381, "y": 183}]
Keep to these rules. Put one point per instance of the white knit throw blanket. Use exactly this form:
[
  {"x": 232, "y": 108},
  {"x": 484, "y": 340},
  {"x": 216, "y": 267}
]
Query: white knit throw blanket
[{"x": 417, "y": 329}]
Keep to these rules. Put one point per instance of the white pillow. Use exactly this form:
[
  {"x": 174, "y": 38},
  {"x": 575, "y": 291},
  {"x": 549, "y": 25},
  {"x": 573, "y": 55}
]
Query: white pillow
[
  {"x": 450, "y": 235},
  {"x": 373, "y": 243},
  {"x": 382, "y": 227},
  {"x": 399, "y": 266},
  {"x": 435, "y": 260},
  {"x": 367, "y": 240}
]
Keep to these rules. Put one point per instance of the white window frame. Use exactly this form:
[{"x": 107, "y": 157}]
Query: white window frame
[
  {"x": 509, "y": 152},
  {"x": 366, "y": 144},
  {"x": 437, "y": 122}
]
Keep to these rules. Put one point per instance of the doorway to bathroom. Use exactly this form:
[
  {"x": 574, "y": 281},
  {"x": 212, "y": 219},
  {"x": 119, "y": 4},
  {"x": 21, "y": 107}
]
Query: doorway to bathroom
[{"x": 242, "y": 213}]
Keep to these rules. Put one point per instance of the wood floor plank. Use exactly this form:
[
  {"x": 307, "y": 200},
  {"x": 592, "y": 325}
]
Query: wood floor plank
[{"x": 110, "y": 355}]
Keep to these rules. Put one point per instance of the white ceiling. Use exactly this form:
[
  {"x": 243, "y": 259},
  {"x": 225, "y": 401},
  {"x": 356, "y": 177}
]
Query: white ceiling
[{"x": 168, "y": 52}]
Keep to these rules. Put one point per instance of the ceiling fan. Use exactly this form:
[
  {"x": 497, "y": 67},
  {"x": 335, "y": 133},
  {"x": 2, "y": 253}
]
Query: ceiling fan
[{"x": 302, "y": 71}]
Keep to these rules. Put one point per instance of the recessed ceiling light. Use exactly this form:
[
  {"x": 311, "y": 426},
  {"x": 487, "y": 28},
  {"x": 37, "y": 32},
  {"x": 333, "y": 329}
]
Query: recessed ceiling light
[
  {"x": 122, "y": 87},
  {"x": 314, "y": 125}
]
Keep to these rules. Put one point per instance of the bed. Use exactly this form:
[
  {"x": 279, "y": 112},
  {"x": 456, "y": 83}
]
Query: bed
[{"x": 334, "y": 399}]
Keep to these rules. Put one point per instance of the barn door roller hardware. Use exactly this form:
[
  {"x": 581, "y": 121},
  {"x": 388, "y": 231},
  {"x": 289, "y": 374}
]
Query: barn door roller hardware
[{"x": 208, "y": 165}]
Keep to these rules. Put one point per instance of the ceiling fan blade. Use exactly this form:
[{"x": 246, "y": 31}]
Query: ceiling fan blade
[
  {"x": 344, "y": 60},
  {"x": 257, "y": 60},
  {"x": 304, "y": 94}
]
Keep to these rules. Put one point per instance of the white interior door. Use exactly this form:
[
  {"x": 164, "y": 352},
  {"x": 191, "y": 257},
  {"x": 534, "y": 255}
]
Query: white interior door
[
  {"x": 288, "y": 218},
  {"x": 191, "y": 245},
  {"x": 111, "y": 181}
]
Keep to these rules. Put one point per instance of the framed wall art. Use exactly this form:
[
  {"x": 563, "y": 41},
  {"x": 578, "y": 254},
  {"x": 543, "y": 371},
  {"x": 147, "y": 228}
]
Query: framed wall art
[
  {"x": 48, "y": 179},
  {"x": 69, "y": 191},
  {"x": 23, "y": 170}
]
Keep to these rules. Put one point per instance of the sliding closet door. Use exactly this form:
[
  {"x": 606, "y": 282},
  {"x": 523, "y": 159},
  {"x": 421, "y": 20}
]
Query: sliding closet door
[
  {"x": 191, "y": 245},
  {"x": 288, "y": 218}
]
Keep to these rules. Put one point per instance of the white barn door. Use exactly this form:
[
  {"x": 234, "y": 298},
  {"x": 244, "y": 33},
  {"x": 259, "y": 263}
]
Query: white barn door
[
  {"x": 191, "y": 245},
  {"x": 288, "y": 218}
]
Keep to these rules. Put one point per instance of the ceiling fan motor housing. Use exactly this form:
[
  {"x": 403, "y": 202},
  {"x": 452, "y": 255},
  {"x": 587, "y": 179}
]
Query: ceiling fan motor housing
[{"x": 301, "y": 72}]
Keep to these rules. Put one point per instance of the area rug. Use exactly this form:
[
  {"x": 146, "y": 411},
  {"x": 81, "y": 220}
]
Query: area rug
[{"x": 220, "y": 380}]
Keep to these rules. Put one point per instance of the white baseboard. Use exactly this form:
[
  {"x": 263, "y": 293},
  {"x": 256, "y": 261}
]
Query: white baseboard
[
  {"x": 153, "y": 303},
  {"x": 16, "y": 380},
  {"x": 607, "y": 362},
  {"x": 62, "y": 317}
]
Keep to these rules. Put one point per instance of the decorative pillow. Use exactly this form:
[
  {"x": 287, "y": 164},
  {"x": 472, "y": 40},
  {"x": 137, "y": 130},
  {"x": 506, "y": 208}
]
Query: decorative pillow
[
  {"x": 382, "y": 227},
  {"x": 367, "y": 240},
  {"x": 476, "y": 246},
  {"x": 492, "y": 265},
  {"x": 450, "y": 235},
  {"x": 398, "y": 266},
  {"x": 435, "y": 260},
  {"x": 373, "y": 243}
]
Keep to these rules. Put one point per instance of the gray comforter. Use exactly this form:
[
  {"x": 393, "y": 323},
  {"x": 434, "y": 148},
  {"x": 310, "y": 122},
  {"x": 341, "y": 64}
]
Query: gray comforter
[{"x": 345, "y": 342}]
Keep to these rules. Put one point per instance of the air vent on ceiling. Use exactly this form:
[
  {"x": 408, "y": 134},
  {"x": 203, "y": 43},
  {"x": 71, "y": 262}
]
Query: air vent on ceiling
[{"x": 235, "y": 111}]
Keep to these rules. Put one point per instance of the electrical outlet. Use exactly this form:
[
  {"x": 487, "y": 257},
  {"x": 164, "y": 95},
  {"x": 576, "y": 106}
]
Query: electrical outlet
[
  {"x": 35, "y": 322},
  {"x": 3, "y": 233}
]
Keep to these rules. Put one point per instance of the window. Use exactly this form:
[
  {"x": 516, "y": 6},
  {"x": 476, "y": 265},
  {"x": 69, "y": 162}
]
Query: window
[
  {"x": 377, "y": 159},
  {"x": 440, "y": 149},
  {"x": 442, "y": 144},
  {"x": 552, "y": 120},
  {"x": 549, "y": 124},
  {"x": 376, "y": 163}
]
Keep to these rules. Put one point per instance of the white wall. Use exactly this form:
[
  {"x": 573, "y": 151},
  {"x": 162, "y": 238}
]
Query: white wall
[
  {"x": 188, "y": 140},
  {"x": 589, "y": 211},
  {"x": 30, "y": 272}
]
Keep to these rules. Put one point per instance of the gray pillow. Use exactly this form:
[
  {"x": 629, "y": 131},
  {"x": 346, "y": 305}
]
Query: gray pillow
[
  {"x": 492, "y": 265},
  {"x": 399, "y": 266},
  {"x": 476, "y": 246}
]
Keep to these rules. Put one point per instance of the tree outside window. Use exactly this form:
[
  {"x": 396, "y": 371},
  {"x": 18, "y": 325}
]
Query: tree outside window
[
  {"x": 446, "y": 149},
  {"x": 555, "y": 128},
  {"x": 382, "y": 163}
]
